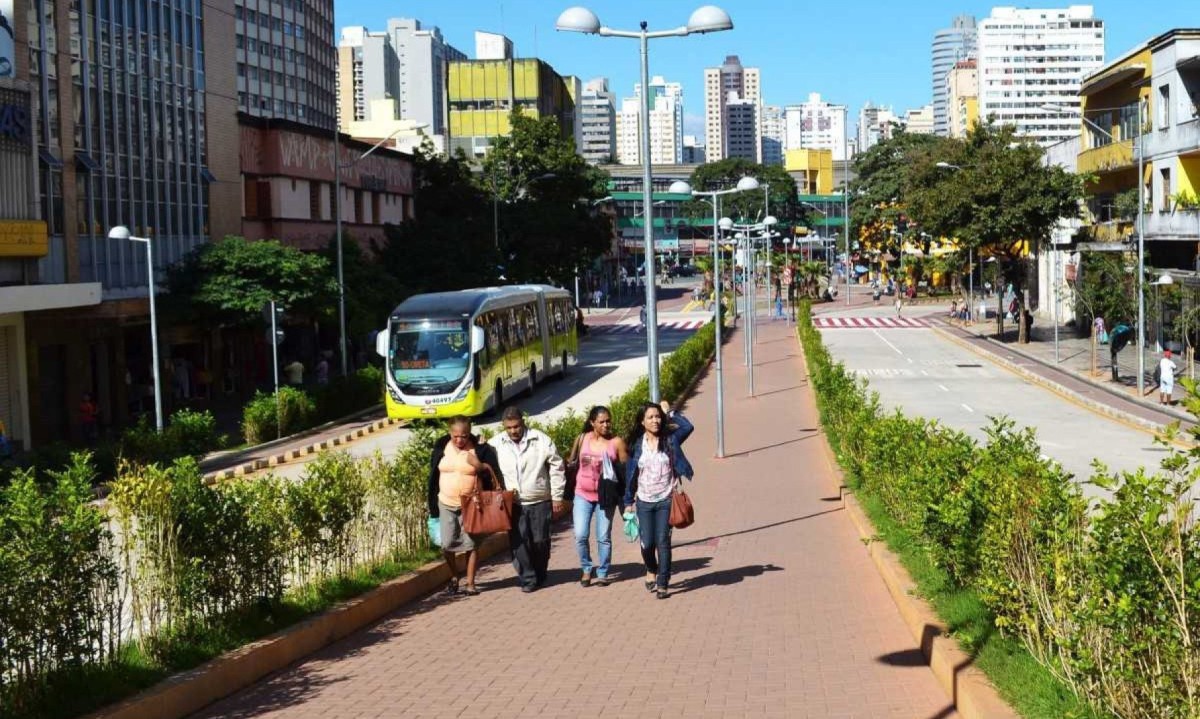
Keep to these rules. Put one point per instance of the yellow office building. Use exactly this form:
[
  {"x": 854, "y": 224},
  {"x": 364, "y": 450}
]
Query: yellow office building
[
  {"x": 812, "y": 170},
  {"x": 481, "y": 94}
]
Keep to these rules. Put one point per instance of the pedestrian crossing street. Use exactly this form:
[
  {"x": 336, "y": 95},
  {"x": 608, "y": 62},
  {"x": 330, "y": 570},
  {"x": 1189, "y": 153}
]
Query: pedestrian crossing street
[
  {"x": 870, "y": 323},
  {"x": 675, "y": 325}
]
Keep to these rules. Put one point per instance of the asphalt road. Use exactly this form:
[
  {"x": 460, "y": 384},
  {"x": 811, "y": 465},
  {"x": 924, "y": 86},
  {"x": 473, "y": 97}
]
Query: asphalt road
[
  {"x": 918, "y": 371},
  {"x": 612, "y": 359}
]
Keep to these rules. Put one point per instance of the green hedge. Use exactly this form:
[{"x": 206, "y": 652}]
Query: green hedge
[
  {"x": 196, "y": 565},
  {"x": 1104, "y": 593},
  {"x": 299, "y": 410}
]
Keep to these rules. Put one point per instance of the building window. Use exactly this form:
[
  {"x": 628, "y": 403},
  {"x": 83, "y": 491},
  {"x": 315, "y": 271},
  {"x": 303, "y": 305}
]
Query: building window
[
  {"x": 314, "y": 201},
  {"x": 1164, "y": 107},
  {"x": 1165, "y": 189}
]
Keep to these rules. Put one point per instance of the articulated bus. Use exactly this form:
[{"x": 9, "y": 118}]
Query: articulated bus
[{"x": 466, "y": 352}]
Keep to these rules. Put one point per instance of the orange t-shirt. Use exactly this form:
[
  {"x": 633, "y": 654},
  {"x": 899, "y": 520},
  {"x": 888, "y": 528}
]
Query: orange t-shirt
[{"x": 457, "y": 476}]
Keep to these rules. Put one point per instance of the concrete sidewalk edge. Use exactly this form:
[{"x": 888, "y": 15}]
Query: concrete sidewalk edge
[{"x": 967, "y": 687}]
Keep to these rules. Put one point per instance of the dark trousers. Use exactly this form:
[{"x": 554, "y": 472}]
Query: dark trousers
[
  {"x": 654, "y": 531},
  {"x": 529, "y": 539}
]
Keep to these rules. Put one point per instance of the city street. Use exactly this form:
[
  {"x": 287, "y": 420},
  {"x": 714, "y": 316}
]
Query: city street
[{"x": 915, "y": 369}]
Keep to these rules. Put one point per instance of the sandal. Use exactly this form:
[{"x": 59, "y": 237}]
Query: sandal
[
  {"x": 451, "y": 588},
  {"x": 650, "y": 583},
  {"x": 469, "y": 590},
  {"x": 601, "y": 581},
  {"x": 586, "y": 580},
  {"x": 662, "y": 593}
]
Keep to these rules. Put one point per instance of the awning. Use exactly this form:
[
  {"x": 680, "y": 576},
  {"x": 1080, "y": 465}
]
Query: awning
[
  {"x": 31, "y": 298},
  {"x": 1125, "y": 73}
]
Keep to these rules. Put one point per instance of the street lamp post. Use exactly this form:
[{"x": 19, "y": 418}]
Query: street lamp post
[
  {"x": 1141, "y": 240},
  {"x": 121, "y": 232},
  {"x": 337, "y": 214},
  {"x": 683, "y": 188},
  {"x": 745, "y": 232},
  {"x": 846, "y": 199},
  {"x": 705, "y": 19}
]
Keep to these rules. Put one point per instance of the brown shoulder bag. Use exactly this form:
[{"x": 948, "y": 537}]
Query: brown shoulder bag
[{"x": 487, "y": 512}]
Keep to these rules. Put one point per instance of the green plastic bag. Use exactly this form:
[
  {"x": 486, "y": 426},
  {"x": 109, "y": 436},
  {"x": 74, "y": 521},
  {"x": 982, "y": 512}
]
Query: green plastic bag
[{"x": 631, "y": 526}]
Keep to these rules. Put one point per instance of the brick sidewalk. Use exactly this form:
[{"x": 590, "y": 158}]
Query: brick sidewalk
[{"x": 776, "y": 609}]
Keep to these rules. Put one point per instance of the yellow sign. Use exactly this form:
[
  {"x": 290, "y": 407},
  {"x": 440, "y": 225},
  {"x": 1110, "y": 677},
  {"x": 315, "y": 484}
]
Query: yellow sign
[{"x": 23, "y": 238}]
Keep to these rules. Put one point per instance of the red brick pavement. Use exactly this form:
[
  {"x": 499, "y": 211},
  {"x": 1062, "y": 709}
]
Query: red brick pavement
[{"x": 776, "y": 610}]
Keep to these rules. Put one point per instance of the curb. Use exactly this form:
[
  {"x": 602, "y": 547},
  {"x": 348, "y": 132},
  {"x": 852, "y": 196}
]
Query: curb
[
  {"x": 1055, "y": 387},
  {"x": 191, "y": 691},
  {"x": 967, "y": 687},
  {"x": 286, "y": 456}
]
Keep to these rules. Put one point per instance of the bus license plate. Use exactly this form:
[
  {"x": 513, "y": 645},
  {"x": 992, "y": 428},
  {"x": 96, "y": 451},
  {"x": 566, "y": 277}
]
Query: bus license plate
[{"x": 429, "y": 410}]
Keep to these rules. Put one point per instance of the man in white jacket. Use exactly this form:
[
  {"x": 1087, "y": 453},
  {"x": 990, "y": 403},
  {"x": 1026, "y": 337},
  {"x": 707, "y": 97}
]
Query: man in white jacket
[{"x": 531, "y": 466}]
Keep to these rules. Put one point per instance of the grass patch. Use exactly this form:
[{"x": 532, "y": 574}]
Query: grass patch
[
  {"x": 1026, "y": 685},
  {"x": 77, "y": 692}
]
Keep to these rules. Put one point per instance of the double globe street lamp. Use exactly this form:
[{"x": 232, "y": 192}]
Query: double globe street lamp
[
  {"x": 706, "y": 19},
  {"x": 714, "y": 196}
]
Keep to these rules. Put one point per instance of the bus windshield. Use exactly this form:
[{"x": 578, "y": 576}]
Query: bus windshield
[{"x": 429, "y": 356}]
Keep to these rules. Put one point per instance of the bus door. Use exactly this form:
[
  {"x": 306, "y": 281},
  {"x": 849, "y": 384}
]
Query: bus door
[{"x": 543, "y": 321}]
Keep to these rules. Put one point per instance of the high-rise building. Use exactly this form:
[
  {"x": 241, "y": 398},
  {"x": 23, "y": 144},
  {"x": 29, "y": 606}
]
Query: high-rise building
[
  {"x": 773, "y": 135},
  {"x": 919, "y": 121},
  {"x": 817, "y": 125},
  {"x": 286, "y": 63},
  {"x": 424, "y": 57},
  {"x": 962, "y": 97},
  {"x": 741, "y": 137},
  {"x": 492, "y": 46},
  {"x": 666, "y": 124},
  {"x": 693, "y": 151},
  {"x": 483, "y": 93},
  {"x": 729, "y": 82},
  {"x": 598, "y": 122},
  {"x": 1030, "y": 58},
  {"x": 875, "y": 124},
  {"x": 368, "y": 70},
  {"x": 135, "y": 136},
  {"x": 950, "y": 45}
]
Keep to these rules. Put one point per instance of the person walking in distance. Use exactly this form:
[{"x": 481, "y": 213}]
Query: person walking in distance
[
  {"x": 535, "y": 471},
  {"x": 642, "y": 319},
  {"x": 458, "y": 460},
  {"x": 656, "y": 464},
  {"x": 1166, "y": 379},
  {"x": 599, "y": 488}
]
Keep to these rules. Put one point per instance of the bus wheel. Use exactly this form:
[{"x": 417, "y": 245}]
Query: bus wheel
[
  {"x": 498, "y": 396},
  {"x": 532, "y": 378}
]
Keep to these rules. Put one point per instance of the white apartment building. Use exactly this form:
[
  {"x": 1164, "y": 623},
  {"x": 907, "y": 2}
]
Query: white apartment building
[
  {"x": 722, "y": 84},
  {"x": 875, "y": 124},
  {"x": 774, "y": 134},
  {"x": 597, "y": 113},
  {"x": 817, "y": 125},
  {"x": 368, "y": 71},
  {"x": 693, "y": 151},
  {"x": 492, "y": 46},
  {"x": 950, "y": 45},
  {"x": 919, "y": 121},
  {"x": 666, "y": 124},
  {"x": 424, "y": 56},
  {"x": 1032, "y": 57},
  {"x": 1173, "y": 146},
  {"x": 742, "y": 137}
]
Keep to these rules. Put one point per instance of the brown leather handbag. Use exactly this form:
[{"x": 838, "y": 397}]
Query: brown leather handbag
[
  {"x": 487, "y": 512},
  {"x": 682, "y": 513}
]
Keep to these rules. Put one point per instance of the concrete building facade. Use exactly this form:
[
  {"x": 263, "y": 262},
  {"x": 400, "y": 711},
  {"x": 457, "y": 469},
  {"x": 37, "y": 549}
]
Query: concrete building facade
[
  {"x": 286, "y": 62},
  {"x": 722, "y": 85},
  {"x": 1029, "y": 58},
  {"x": 666, "y": 124},
  {"x": 950, "y": 45},
  {"x": 774, "y": 135},
  {"x": 817, "y": 125},
  {"x": 962, "y": 98},
  {"x": 598, "y": 122},
  {"x": 875, "y": 124},
  {"x": 368, "y": 71},
  {"x": 481, "y": 94},
  {"x": 919, "y": 121},
  {"x": 423, "y": 56}
]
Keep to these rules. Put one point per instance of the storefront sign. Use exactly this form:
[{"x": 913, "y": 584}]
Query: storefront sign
[
  {"x": 14, "y": 122},
  {"x": 23, "y": 238}
]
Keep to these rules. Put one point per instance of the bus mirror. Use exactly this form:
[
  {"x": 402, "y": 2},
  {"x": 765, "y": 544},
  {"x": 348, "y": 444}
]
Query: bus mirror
[
  {"x": 381, "y": 343},
  {"x": 478, "y": 339}
]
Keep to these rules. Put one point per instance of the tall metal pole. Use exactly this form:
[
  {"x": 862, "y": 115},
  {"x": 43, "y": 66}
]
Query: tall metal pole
[
  {"x": 720, "y": 321},
  {"x": 275, "y": 365},
  {"x": 1054, "y": 297},
  {"x": 158, "y": 408},
  {"x": 1141, "y": 267},
  {"x": 971, "y": 282},
  {"x": 766, "y": 212},
  {"x": 337, "y": 211},
  {"x": 846, "y": 201},
  {"x": 648, "y": 226},
  {"x": 751, "y": 320}
]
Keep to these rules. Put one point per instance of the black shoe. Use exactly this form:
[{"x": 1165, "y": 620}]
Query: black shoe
[
  {"x": 601, "y": 581},
  {"x": 649, "y": 585},
  {"x": 662, "y": 593},
  {"x": 452, "y": 588},
  {"x": 528, "y": 588}
]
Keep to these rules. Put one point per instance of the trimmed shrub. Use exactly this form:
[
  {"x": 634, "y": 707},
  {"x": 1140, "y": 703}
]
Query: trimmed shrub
[
  {"x": 347, "y": 395},
  {"x": 265, "y": 419}
]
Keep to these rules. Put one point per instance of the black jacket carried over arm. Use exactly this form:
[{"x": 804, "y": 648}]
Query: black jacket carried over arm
[{"x": 484, "y": 451}]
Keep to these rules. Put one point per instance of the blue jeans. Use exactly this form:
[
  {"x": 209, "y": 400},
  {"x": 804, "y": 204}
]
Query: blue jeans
[
  {"x": 582, "y": 514},
  {"x": 654, "y": 530}
]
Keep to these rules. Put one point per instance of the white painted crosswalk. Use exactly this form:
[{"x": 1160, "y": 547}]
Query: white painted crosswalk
[
  {"x": 869, "y": 323},
  {"x": 674, "y": 325}
]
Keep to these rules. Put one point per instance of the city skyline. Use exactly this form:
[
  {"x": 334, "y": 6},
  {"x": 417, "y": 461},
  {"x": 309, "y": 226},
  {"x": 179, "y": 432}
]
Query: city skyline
[{"x": 887, "y": 69}]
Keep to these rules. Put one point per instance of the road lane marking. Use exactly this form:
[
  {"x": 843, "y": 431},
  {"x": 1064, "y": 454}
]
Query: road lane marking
[
  {"x": 968, "y": 409},
  {"x": 924, "y": 373},
  {"x": 942, "y": 387},
  {"x": 889, "y": 344}
]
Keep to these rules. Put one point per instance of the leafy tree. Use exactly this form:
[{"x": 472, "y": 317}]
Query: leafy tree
[
  {"x": 545, "y": 190},
  {"x": 372, "y": 291},
  {"x": 878, "y": 202},
  {"x": 745, "y": 206},
  {"x": 229, "y": 282},
  {"x": 448, "y": 244},
  {"x": 1125, "y": 205}
]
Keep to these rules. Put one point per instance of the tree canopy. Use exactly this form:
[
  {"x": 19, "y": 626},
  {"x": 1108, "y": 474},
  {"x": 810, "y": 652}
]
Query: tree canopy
[
  {"x": 745, "y": 206},
  {"x": 229, "y": 282}
]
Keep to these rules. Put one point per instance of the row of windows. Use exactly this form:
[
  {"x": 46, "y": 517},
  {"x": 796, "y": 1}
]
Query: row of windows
[
  {"x": 509, "y": 329},
  {"x": 267, "y": 22}
]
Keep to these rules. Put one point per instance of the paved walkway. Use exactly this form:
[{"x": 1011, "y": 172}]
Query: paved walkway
[{"x": 776, "y": 609}]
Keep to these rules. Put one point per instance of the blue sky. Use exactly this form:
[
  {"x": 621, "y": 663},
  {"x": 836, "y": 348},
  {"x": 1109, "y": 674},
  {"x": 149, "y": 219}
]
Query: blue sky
[{"x": 850, "y": 51}]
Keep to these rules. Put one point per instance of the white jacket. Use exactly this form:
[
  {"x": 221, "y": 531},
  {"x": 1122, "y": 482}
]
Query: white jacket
[{"x": 532, "y": 467}]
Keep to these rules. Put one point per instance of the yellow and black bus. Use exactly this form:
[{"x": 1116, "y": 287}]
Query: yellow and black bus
[{"x": 465, "y": 352}]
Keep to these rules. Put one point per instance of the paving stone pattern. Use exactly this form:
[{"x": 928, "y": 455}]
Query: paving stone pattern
[{"x": 775, "y": 607}]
